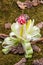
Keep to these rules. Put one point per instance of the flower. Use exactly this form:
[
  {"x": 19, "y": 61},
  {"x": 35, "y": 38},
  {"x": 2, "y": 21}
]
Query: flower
[
  {"x": 24, "y": 33},
  {"x": 8, "y": 43},
  {"x": 21, "y": 20}
]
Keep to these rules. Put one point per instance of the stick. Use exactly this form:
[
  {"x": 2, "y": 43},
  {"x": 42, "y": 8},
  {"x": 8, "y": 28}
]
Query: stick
[
  {"x": 3, "y": 36},
  {"x": 39, "y": 40}
]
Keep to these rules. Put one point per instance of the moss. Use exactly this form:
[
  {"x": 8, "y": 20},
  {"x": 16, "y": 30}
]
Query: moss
[{"x": 8, "y": 12}]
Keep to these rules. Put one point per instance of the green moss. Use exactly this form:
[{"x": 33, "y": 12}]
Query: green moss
[{"x": 8, "y": 12}]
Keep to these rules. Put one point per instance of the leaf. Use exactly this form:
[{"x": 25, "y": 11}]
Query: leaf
[{"x": 28, "y": 49}]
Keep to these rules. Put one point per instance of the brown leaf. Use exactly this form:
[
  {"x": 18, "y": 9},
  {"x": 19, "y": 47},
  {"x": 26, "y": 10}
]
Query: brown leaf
[
  {"x": 36, "y": 48},
  {"x": 35, "y": 2},
  {"x": 18, "y": 49},
  {"x": 3, "y": 36},
  {"x": 21, "y": 62},
  {"x": 7, "y": 25},
  {"x": 21, "y": 5},
  {"x": 39, "y": 40},
  {"x": 40, "y": 25},
  {"x": 28, "y": 4},
  {"x": 38, "y": 62}
]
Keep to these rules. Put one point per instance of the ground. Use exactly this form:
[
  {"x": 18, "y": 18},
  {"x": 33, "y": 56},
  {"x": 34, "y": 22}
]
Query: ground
[{"x": 8, "y": 12}]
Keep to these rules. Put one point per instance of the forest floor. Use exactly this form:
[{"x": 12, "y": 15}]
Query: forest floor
[{"x": 8, "y": 12}]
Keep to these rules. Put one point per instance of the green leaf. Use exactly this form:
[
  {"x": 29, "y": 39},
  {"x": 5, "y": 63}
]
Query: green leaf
[{"x": 6, "y": 50}]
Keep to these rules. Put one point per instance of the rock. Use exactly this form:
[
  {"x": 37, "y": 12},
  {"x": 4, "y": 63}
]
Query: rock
[
  {"x": 36, "y": 48},
  {"x": 21, "y": 62},
  {"x": 38, "y": 62},
  {"x": 7, "y": 25}
]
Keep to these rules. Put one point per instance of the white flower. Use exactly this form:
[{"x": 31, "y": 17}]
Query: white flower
[{"x": 24, "y": 34}]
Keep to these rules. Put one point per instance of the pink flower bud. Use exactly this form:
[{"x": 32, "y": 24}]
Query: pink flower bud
[{"x": 21, "y": 20}]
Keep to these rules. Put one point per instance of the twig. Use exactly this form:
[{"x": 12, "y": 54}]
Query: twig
[
  {"x": 40, "y": 25},
  {"x": 40, "y": 39},
  {"x": 3, "y": 36}
]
